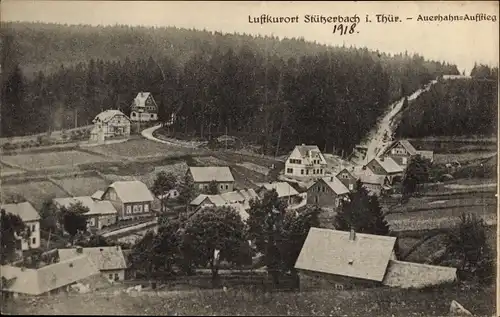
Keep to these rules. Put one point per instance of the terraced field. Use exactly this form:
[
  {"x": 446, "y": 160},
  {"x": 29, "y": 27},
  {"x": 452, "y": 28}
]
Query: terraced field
[{"x": 37, "y": 161}]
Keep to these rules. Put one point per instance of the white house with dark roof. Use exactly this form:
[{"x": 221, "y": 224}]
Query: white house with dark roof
[
  {"x": 203, "y": 176},
  {"x": 343, "y": 259},
  {"x": 30, "y": 218},
  {"x": 109, "y": 260},
  {"x": 131, "y": 199},
  {"x": 401, "y": 151},
  {"x": 386, "y": 166},
  {"x": 305, "y": 161},
  {"x": 144, "y": 108},
  {"x": 110, "y": 124},
  {"x": 327, "y": 192},
  {"x": 100, "y": 214},
  {"x": 47, "y": 279}
]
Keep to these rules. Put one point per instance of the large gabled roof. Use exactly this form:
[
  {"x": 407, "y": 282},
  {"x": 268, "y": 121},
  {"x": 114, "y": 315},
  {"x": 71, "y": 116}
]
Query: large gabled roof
[
  {"x": 404, "y": 143},
  {"x": 332, "y": 252},
  {"x": 24, "y": 210},
  {"x": 104, "y": 258},
  {"x": 132, "y": 191},
  {"x": 211, "y": 173}
]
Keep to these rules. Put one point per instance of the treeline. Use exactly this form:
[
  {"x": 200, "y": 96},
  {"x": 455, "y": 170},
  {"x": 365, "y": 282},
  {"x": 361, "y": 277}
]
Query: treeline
[
  {"x": 263, "y": 87},
  {"x": 455, "y": 107}
]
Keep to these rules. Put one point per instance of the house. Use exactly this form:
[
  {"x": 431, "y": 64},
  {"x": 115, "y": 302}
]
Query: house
[
  {"x": 48, "y": 279},
  {"x": 144, "y": 108},
  {"x": 109, "y": 260},
  {"x": 203, "y": 176},
  {"x": 31, "y": 220},
  {"x": 132, "y": 199},
  {"x": 235, "y": 197},
  {"x": 327, "y": 192},
  {"x": 401, "y": 151},
  {"x": 386, "y": 166},
  {"x": 348, "y": 178},
  {"x": 100, "y": 214},
  {"x": 375, "y": 184},
  {"x": 110, "y": 124},
  {"x": 284, "y": 190},
  {"x": 305, "y": 161},
  {"x": 344, "y": 259}
]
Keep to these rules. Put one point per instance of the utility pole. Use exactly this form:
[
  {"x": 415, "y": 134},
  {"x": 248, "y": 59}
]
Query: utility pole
[{"x": 76, "y": 118}]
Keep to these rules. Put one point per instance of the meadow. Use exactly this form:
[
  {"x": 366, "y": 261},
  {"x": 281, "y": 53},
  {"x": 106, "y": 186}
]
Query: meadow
[
  {"x": 82, "y": 185},
  {"x": 41, "y": 160},
  {"x": 241, "y": 301},
  {"x": 35, "y": 192}
]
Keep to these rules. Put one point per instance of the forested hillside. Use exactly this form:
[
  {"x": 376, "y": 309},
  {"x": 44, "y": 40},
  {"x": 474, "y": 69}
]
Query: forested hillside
[
  {"x": 257, "y": 86},
  {"x": 455, "y": 108}
]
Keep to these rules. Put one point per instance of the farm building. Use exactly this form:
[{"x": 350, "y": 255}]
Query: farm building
[
  {"x": 31, "y": 220},
  {"x": 203, "y": 176},
  {"x": 49, "y": 279},
  {"x": 132, "y": 199},
  {"x": 144, "y": 108},
  {"x": 110, "y": 124},
  {"x": 305, "y": 161},
  {"x": 386, "y": 166},
  {"x": 348, "y": 178},
  {"x": 342, "y": 259},
  {"x": 100, "y": 214},
  {"x": 239, "y": 200},
  {"x": 284, "y": 190},
  {"x": 402, "y": 151},
  {"x": 327, "y": 192},
  {"x": 109, "y": 260}
]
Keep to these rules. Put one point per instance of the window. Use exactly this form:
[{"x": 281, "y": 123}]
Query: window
[
  {"x": 116, "y": 277},
  {"x": 405, "y": 160},
  {"x": 33, "y": 228},
  {"x": 137, "y": 209},
  {"x": 91, "y": 221},
  {"x": 110, "y": 276},
  {"x": 289, "y": 170},
  {"x": 314, "y": 172},
  {"x": 146, "y": 208},
  {"x": 307, "y": 172},
  {"x": 201, "y": 186},
  {"x": 129, "y": 210},
  {"x": 351, "y": 186},
  {"x": 33, "y": 241},
  {"x": 301, "y": 172},
  {"x": 221, "y": 186},
  {"x": 227, "y": 186}
]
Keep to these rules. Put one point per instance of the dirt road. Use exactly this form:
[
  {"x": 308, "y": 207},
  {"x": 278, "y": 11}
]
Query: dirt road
[{"x": 375, "y": 142}]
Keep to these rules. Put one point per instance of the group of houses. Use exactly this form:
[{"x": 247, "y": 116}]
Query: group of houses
[
  {"x": 306, "y": 162},
  {"x": 114, "y": 124}
]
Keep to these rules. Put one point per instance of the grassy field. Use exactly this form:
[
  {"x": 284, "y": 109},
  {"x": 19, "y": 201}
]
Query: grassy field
[
  {"x": 6, "y": 170},
  {"x": 34, "y": 161},
  {"x": 461, "y": 157},
  {"x": 139, "y": 148},
  {"x": 34, "y": 191},
  {"x": 243, "y": 301},
  {"x": 82, "y": 185}
]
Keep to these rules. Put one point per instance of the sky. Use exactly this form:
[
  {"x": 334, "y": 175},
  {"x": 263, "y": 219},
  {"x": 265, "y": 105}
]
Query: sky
[{"x": 461, "y": 42}]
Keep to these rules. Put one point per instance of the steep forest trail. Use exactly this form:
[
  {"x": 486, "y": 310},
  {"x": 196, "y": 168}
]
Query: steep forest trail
[{"x": 375, "y": 142}]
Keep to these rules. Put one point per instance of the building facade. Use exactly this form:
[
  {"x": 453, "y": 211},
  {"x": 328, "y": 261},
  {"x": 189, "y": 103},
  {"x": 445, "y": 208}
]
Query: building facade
[
  {"x": 110, "y": 124},
  {"x": 31, "y": 220},
  {"x": 327, "y": 192},
  {"x": 131, "y": 199},
  {"x": 386, "y": 166},
  {"x": 203, "y": 176},
  {"x": 305, "y": 161},
  {"x": 144, "y": 108},
  {"x": 101, "y": 213}
]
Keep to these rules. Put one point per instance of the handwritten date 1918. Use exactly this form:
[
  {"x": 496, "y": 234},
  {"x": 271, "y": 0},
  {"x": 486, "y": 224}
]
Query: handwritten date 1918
[{"x": 344, "y": 29}]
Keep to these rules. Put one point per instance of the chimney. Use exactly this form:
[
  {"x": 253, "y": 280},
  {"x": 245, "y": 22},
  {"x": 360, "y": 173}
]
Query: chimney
[
  {"x": 352, "y": 235},
  {"x": 79, "y": 250}
]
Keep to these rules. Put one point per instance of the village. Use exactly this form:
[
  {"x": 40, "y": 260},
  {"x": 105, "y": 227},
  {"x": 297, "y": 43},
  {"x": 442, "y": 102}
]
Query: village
[{"x": 126, "y": 210}]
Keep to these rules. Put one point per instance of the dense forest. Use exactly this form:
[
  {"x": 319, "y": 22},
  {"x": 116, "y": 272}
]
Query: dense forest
[
  {"x": 455, "y": 107},
  {"x": 263, "y": 87}
]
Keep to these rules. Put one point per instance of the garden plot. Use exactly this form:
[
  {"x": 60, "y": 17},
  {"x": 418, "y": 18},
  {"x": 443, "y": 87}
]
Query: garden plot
[
  {"x": 43, "y": 160},
  {"x": 35, "y": 192},
  {"x": 209, "y": 161},
  {"x": 254, "y": 167},
  {"x": 82, "y": 185}
]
